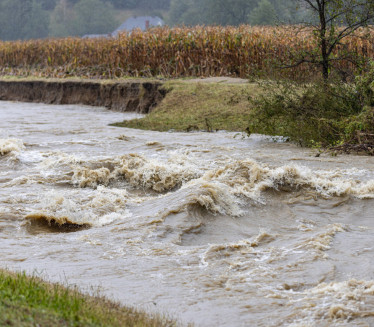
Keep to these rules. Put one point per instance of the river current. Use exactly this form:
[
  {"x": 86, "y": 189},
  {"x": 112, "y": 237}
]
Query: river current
[{"x": 210, "y": 228}]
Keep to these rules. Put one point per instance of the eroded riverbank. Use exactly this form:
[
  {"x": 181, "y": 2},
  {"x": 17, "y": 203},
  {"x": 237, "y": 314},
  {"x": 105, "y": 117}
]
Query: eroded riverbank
[{"x": 132, "y": 95}]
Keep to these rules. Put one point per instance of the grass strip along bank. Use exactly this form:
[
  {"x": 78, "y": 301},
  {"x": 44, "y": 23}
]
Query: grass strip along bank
[
  {"x": 29, "y": 301},
  {"x": 192, "y": 106}
]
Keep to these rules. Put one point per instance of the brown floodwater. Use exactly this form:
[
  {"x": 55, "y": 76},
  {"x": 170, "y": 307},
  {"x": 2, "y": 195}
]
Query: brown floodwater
[{"x": 210, "y": 228}]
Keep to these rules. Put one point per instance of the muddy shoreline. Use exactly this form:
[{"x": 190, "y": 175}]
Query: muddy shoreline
[{"x": 130, "y": 96}]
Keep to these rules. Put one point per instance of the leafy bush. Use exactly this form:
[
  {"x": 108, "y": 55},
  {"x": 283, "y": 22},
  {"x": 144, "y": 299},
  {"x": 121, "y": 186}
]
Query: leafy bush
[
  {"x": 318, "y": 113},
  {"x": 365, "y": 85}
]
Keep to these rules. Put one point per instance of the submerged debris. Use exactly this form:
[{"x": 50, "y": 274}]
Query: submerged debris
[
  {"x": 363, "y": 143},
  {"x": 365, "y": 148}
]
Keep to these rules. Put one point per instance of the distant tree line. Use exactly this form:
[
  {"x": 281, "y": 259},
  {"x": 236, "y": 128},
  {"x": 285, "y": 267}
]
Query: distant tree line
[
  {"x": 145, "y": 4},
  {"x": 233, "y": 12},
  {"x": 28, "y": 19}
]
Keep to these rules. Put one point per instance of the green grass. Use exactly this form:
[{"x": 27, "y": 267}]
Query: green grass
[
  {"x": 29, "y": 301},
  {"x": 199, "y": 106}
]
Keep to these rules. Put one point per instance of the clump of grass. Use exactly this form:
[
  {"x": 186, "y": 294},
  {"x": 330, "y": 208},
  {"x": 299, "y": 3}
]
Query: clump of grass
[
  {"x": 28, "y": 301},
  {"x": 190, "y": 106}
]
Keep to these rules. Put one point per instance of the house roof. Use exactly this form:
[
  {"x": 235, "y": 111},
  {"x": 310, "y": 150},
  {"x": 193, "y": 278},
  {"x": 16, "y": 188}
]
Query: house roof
[
  {"x": 95, "y": 36},
  {"x": 139, "y": 22}
]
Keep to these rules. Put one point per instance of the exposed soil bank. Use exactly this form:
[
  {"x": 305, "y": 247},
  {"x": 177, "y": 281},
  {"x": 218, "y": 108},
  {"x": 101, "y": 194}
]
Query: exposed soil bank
[{"x": 137, "y": 96}]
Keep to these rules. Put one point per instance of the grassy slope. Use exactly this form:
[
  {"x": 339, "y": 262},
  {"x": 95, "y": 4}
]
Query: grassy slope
[
  {"x": 203, "y": 106},
  {"x": 28, "y": 301}
]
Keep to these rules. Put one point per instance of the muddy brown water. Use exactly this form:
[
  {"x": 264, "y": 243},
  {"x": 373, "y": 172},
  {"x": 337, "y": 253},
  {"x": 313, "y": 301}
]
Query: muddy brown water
[{"x": 213, "y": 229}]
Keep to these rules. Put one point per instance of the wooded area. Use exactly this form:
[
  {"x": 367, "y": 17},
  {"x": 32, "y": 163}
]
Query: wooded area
[{"x": 31, "y": 19}]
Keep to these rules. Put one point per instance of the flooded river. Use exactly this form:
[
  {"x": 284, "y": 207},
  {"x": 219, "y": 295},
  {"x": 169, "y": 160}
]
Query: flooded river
[{"x": 213, "y": 229}]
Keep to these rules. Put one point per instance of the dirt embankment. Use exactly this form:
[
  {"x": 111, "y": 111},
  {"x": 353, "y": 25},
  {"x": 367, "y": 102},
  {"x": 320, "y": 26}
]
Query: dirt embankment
[{"x": 136, "y": 96}]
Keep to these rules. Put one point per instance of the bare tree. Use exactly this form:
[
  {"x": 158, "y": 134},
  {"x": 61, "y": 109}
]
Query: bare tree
[{"x": 332, "y": 21}]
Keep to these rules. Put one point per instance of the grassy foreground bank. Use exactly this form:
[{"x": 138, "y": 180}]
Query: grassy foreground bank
[
  {"x": 192, "y": 105},
  {"x": 29, "y": 301}
]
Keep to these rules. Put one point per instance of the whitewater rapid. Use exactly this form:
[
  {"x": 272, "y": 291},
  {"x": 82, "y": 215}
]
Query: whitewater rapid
[{"x": 216, "y": 229}]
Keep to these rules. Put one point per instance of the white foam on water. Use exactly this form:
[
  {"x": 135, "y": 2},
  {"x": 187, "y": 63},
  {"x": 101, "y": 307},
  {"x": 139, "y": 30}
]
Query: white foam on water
[
  {"x": 336, "y": 304},
  {"x": 11, "y": 146},
  {"x": 101, "y": 207}
]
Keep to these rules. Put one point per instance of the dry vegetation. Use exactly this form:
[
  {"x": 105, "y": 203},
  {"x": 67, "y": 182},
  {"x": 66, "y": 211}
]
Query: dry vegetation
[{"x": 179, "y": 52}]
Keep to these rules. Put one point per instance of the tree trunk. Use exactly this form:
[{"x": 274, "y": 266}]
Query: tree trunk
[
  {"x": 325, "y": 60},
  {"x": 324, "y": 43}
]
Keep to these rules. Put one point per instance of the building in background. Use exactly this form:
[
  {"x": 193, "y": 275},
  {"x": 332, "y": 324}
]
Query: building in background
[{"x": 142, "y": 22}]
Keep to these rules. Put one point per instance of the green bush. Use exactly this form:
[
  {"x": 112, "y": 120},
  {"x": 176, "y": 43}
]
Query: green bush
[
  {"x": 365, "y": 86},
  {"x": 320, "y": 113}
]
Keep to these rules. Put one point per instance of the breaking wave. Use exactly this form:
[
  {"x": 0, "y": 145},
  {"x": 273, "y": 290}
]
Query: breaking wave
[
  {"x": 219, "y": 190},
  {"x": 138, "y": 171},
  {"x": 10, "y": 146},
  {"x": 85, "y": 177},
  {"x": 249, "y": 179},
  {"x": 100, "y": 208},
  {"x": 222, "y": 190},
  {"x": 213, "y": 196}
]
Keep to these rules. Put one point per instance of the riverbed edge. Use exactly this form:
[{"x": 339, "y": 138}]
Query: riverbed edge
[{"x": 140, "y": 96}]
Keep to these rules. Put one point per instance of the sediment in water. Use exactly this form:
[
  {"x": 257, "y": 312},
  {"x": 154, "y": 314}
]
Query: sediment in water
[{"x": 136, "y": 96}]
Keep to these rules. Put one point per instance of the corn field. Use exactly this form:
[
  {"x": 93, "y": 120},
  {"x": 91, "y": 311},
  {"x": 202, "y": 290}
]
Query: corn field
[{"x": 243, "y": 51}]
